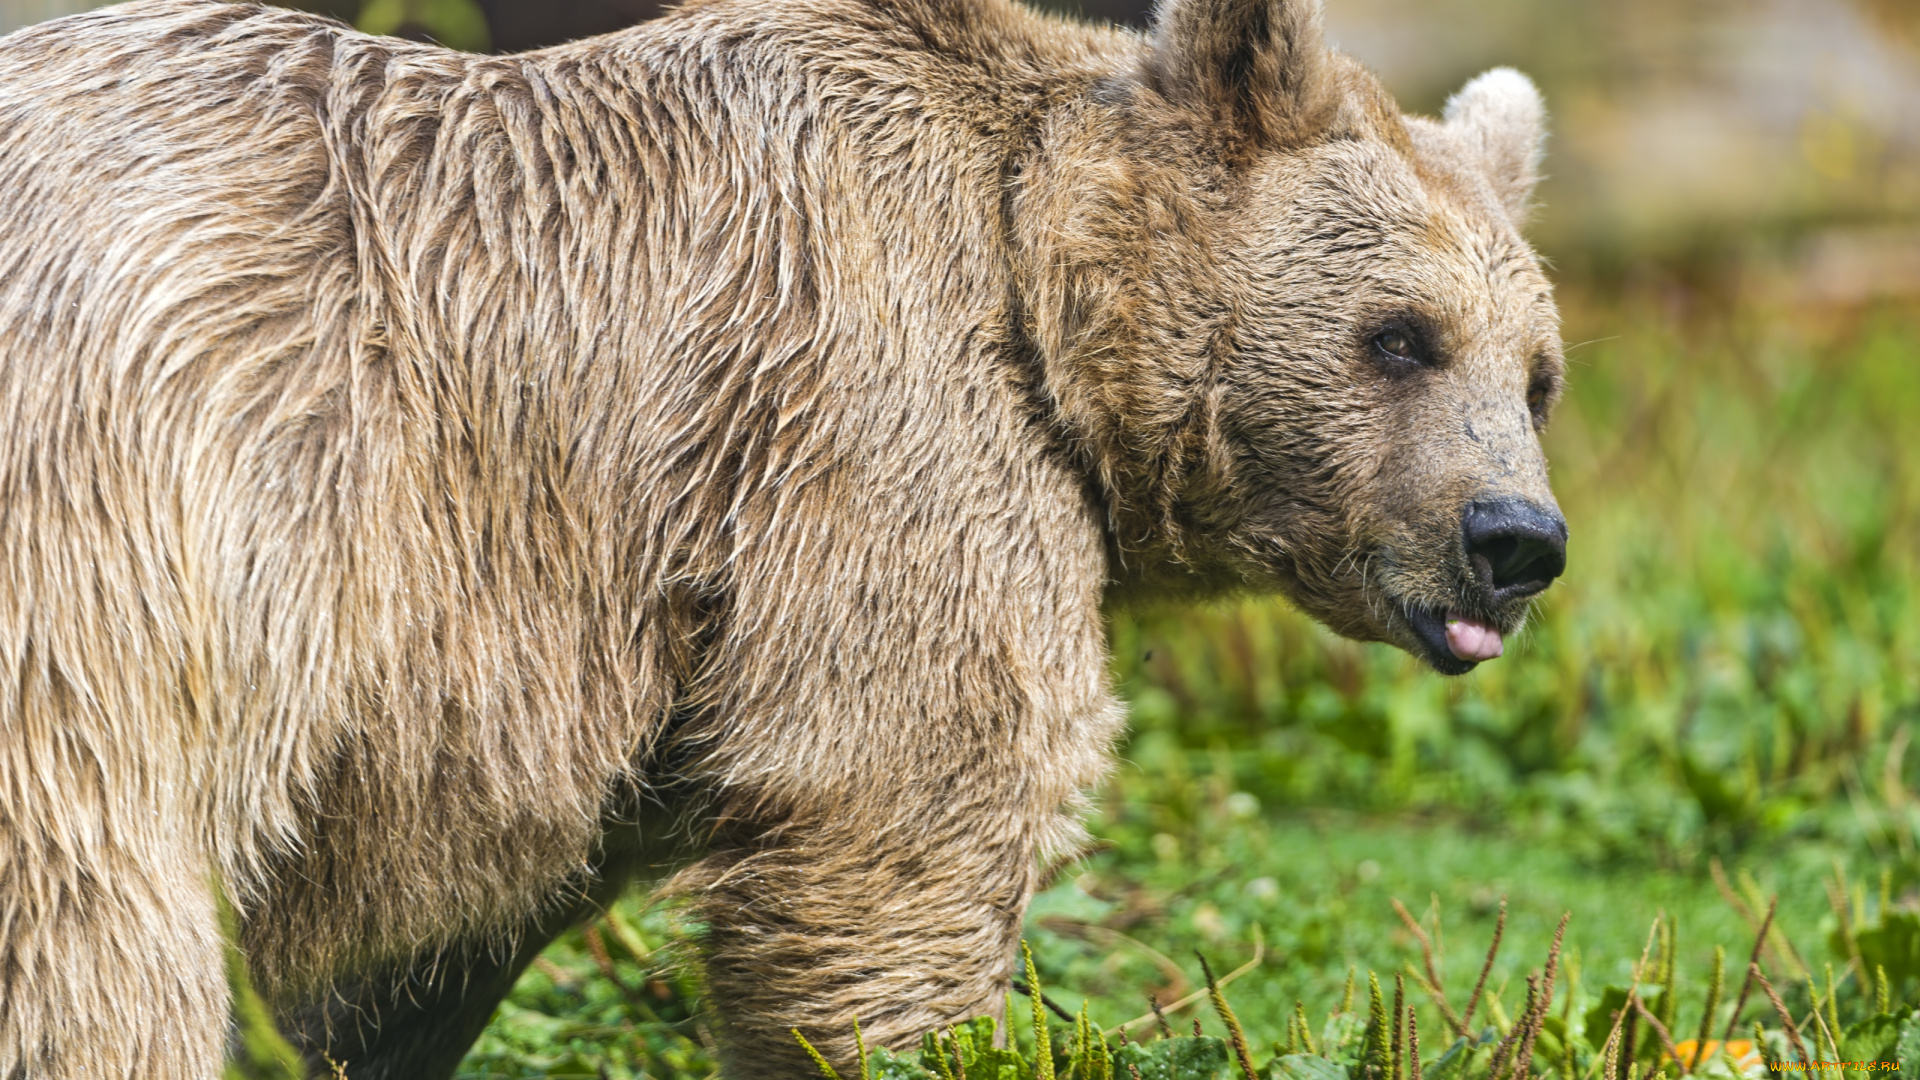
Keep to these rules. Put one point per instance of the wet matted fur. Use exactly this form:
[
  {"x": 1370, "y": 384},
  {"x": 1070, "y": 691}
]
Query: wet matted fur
[{"x": 417, "y": 468}]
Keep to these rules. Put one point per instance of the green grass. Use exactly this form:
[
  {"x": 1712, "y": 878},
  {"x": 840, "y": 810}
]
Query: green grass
[
  {"x": 620, "y": 995},
  {"x": 1320, "y": 886},
  {"x": 1315, "y": 888}
]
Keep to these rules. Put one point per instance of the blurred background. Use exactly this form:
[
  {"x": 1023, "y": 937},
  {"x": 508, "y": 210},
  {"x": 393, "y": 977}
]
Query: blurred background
[{"x": 1715, "y": 706}]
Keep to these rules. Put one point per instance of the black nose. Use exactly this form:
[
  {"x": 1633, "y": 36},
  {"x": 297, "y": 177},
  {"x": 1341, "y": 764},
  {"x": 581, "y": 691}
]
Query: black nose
[{"x": 1516, "y": 547}]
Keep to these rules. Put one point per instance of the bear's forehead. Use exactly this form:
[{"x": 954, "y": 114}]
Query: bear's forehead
[
  {"x": 1365, "y": 205},
  {"x": 1344, "y": 187}
]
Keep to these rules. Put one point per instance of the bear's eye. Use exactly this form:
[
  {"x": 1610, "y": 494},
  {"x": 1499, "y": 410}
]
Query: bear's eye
[
  {"x": 1399, "y": 345},
  {"x": 1539, "y": 395}
]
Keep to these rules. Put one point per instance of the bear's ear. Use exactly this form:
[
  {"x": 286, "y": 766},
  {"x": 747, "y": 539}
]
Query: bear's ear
[
  {"x": 1501, "y": 120},
  {"x": 1258, "y": 67}
]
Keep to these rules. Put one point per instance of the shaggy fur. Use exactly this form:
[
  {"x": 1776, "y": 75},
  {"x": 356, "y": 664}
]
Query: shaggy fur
[{"x": 435, "y": 489}]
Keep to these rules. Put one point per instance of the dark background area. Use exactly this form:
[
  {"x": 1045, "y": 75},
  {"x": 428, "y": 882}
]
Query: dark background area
[{"x": 517, "y": 26}]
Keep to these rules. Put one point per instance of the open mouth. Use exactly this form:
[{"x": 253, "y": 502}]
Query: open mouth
[{"x": 1453, "y": 643}]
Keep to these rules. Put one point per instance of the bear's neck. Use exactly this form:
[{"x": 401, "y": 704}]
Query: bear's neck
[{"x": 745, "y": 203}]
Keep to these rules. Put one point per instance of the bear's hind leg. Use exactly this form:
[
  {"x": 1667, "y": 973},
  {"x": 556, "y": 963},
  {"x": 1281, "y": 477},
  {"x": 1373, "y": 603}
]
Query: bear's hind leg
[
  {"x": 111, "y": 964},
  {"x": 417, "y": 1019}
]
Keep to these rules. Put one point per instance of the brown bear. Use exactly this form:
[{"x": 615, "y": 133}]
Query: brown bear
[{"x": 437, "y": 489}]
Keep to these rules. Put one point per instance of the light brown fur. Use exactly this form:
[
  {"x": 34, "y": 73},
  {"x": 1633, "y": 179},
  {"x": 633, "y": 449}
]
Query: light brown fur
[{"x": 418, "y": 468}]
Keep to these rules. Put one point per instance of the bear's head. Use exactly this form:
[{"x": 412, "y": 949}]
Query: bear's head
[{"x": 1298, "y": 336}]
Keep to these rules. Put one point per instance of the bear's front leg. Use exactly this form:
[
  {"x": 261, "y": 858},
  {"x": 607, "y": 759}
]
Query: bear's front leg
[
  {"x": 903, "y": 924},
  {"x": 891, "y": 723},
  {"x": 895, "y": 898}
]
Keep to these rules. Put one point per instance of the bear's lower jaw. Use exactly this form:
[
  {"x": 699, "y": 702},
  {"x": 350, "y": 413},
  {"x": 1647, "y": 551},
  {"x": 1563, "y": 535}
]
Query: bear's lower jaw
[{"x": 1430, "y": 629}]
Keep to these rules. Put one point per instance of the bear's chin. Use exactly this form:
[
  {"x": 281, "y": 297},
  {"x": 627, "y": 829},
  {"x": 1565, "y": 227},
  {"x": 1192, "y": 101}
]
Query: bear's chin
[{"x": 1429, "y": 626}]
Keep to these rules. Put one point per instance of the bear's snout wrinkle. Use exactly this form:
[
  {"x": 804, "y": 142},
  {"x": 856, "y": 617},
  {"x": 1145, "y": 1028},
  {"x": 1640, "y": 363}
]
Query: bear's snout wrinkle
[{"x": 1516, "y": 547}]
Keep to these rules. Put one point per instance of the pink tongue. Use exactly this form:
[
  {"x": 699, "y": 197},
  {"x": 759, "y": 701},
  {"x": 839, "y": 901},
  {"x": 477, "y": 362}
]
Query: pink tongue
[{"x": 1471, "y": 639}]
